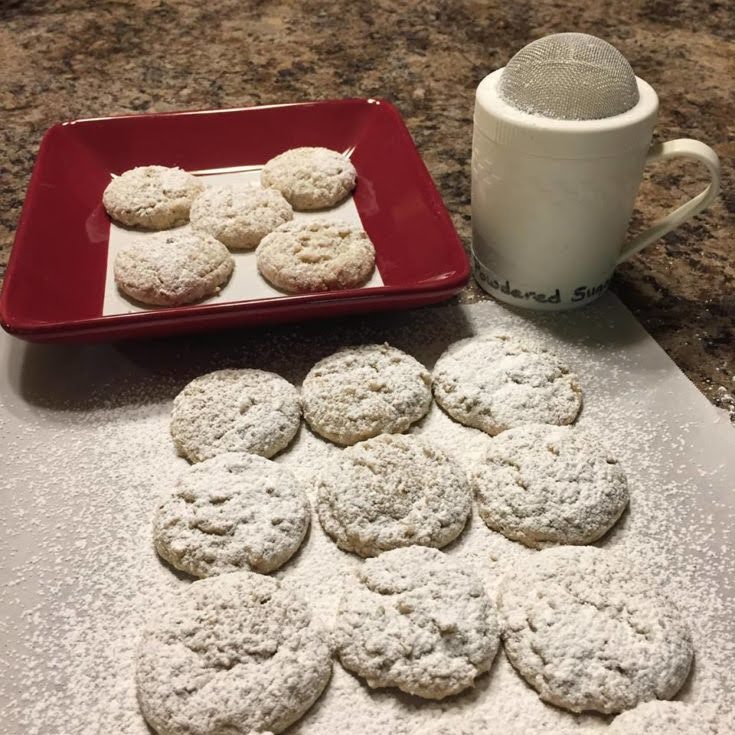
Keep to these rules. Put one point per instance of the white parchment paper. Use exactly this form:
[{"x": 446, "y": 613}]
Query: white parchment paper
[{"x": 86, "y": 450}]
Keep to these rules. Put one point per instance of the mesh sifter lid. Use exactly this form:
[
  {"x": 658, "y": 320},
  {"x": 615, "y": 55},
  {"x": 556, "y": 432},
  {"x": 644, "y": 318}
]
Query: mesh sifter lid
[{"x": 569, "y": 76}]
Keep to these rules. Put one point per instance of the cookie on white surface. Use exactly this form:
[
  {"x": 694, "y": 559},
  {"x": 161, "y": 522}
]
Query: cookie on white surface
[
  {"x": 542, "y": 483},
  {"x": 239, "y": 217},
  {"x": 360, "y": 392},
  {"x": 590, "y": 631},
  {"x": 495, "y": 382},
  {"x": 151, "y": 197},
  {"x": 666, "y": 718},
  {"x": 416, "y": 620},
  {"x": 310, "y": 178},
  {"x": 231, "y": 513},
  {"x": 173, "y": 268},
  {"x": 236, "y": 653},
  {"x": 391, "y": 491},
  {"x": 316, "y": 255},
  {"x": 241, "y": 410}
]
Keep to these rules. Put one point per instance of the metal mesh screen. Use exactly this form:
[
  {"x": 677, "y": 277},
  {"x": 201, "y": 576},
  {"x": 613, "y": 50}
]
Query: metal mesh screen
[{"x": 569, "y": 76}]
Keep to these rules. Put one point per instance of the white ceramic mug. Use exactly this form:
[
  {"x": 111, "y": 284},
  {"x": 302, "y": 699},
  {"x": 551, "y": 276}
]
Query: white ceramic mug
[{"x": 552, "y": 199}]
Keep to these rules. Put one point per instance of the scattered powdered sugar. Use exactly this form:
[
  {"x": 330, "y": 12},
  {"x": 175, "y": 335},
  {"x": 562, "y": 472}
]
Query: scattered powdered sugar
[
  {"x": 79, "y": 575},
  {"x": 668, "y": 718}
]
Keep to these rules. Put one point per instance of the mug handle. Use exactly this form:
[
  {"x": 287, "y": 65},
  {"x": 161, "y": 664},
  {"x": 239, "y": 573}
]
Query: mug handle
[{"x": 684, "y": 148}]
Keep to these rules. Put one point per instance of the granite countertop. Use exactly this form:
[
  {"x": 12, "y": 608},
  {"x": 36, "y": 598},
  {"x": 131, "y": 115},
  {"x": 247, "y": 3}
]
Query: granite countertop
[{"x": 67, "y": 59}]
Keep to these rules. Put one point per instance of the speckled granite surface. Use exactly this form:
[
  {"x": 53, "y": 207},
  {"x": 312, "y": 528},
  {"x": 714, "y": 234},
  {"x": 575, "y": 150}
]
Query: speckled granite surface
[{"x": 66, "y": 59}]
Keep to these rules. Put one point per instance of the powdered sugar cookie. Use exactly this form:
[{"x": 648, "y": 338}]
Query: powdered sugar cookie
[
  {"x": 173, "y": 268},
  {"x": 235, "y": 411},
  {"x": 666, "y": 718},
  {"x": 152, "y": 197},
  {"x": 235, "y": 654},
  {"x": 417, "y": 621},
  {"x": 360, "y": 392},
  {"x": 588, "y": 631},
  {"x": 317, "y": 255},
  {"x": 310, "y": 178},
  {"x": 392, "y": 491},
  {"x": 239, "y": 217},
  {"x": 541, "y": 483},
  {"x": 232, "y": 512},
  {"x": 495, "y": 382}
]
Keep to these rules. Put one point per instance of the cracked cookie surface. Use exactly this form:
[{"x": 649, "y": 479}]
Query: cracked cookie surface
[
  {"x": 232, "y": 512},
  {"x": 239, "y": 216},
  {"x": 232, "y": 654},
  {"x": 589, "y": 631},
  {"x": 360, "y": 392},
  {"x": 151, "y": 197},
  {"x": 173, "y": 268},
  {"x": 316, "y": 255},
  {"x": 241, "y": 410},
  {"x": 496, "y": 382},
  {"x": 310, "y": 178},
  {"x": 416, "y": 620},
  {"x": 391, "y": 491},
  {"x": 541, "y": 483}
]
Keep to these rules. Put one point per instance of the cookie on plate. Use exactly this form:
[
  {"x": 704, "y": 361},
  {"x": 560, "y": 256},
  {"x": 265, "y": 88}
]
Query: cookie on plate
[
  {"x": 173, "y": 268},
  {"x": 230, "y": 513},
  {"x": 391, "y": 491},
  {"x": 239, "y": 217},
  {"x": 541, "y": 483},
  {"x": 237, "y": 653},
  {"x": 495, "y": 382},
  {"x": 590, "y": 631},
  {"x": 360, "y": 392},
  {"x": 310, "y": 178},
  {"x": 244, "y": 410},
  {"x": 416, "y": 620},
  {"x": 151, "y": 197},
  {"x": 316, "y": 255}
]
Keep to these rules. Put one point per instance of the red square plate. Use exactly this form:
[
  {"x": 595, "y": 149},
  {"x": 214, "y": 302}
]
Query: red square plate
[{"x": 55, "y": 282}]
